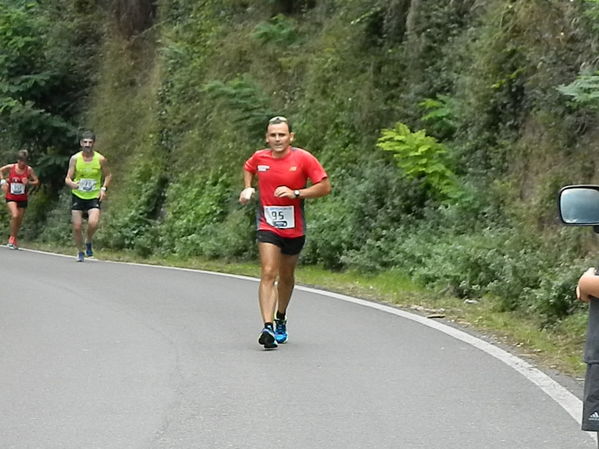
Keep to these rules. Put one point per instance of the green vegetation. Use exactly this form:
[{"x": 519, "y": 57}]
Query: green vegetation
[
  {"x": 584, "y": 92},
  {"x": 45, "y": 74},
  {"x": 447, "y": 128},
  {"x": 421, "y": 157}
]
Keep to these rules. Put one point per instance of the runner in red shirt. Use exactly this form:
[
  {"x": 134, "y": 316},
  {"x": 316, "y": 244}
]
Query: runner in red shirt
[
  {"x": 20, "y": 177},
  {"x": 282, "y": 172}
]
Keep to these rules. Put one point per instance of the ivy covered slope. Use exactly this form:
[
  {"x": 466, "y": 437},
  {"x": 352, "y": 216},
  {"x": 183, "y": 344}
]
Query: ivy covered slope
[{"x": 447, "y": 128}]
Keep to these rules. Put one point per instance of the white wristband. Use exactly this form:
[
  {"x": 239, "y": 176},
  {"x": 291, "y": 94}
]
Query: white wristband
[
  {"x": 246, "y": 194},
  {"x": 2, "y": 181},
  {"x": 103, "y": 189}
]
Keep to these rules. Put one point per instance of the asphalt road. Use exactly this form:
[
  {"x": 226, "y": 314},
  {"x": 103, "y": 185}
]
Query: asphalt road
[{"x": 116, "y": 356}]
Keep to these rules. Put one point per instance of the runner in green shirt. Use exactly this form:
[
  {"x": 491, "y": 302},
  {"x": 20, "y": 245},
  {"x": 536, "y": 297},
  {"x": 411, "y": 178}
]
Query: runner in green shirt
[{"x": 86, "y": 171}]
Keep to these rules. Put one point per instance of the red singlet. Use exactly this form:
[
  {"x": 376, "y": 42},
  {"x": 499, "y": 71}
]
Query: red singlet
[
  {"x": 17, "y": 189},
  {"x": 283, "y": 216}
]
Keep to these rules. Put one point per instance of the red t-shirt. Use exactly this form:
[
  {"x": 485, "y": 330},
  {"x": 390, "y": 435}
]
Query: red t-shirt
[
  {"x": 283, "y": 216},
  {"x": 17, "y": 189}
]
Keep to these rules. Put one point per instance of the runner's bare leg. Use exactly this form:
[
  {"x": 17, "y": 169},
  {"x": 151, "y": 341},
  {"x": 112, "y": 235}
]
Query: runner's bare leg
[
  {"x": 21, "y": 214},
  {"x": 14, "y": 218},
  {"x": 93, "y": 220},
  {"x": 77, "y": 220},
  {"x": 286, "y": 281},
  {"x": 270, "y": 261}
]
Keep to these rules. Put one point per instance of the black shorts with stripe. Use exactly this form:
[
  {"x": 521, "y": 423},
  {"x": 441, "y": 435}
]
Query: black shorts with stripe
[{"x": 84, "y": 205}]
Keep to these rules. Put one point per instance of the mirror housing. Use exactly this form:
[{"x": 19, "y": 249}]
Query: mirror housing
[{"x": 579, "y": 205}]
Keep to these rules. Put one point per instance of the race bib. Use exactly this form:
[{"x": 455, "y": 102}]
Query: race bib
[
  {"x": 16, "y": 188},
  {"x": 281, "y": 217},
  {"x": 87, "y": 185}
]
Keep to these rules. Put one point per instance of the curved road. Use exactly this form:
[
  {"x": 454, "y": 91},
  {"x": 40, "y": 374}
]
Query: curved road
[{"x": 115, "y": 356}]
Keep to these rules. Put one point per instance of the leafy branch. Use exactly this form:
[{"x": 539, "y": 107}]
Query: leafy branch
[
  {"x": 584, "y": 91},
  {"x": 421, "y": 157}
]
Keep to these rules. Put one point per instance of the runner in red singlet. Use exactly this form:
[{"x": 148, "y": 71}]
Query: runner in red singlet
[
  {"x": 282, "y": 172},
  {"x": 15, "y": 186}
]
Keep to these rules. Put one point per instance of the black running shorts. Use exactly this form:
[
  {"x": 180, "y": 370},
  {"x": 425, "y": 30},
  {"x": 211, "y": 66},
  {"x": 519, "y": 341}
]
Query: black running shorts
[
  {"x": 289, "y": 247},
  {"x": 20, "y": 204},
  {"x": 84, "y": 205}
]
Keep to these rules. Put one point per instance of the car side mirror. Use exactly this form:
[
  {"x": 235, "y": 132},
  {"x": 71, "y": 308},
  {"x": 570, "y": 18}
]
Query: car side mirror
[{"x": 579, "y": 205}]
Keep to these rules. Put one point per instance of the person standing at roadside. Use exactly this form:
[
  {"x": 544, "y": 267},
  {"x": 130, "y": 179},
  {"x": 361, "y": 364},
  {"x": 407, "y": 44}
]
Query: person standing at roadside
[
  {"x": 21, "y": 177},
  {"x": 88, "y": 177},
  {"x": 587, "y": 291},
  {"x": 282, "y": 172}
]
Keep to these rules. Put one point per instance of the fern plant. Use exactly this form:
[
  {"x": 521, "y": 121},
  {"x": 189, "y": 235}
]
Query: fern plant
[
  {"x": 421, "y": 157},
  {"x": 591, "y": 12},
  {"x": 584, "y": 91},
  {"x": 278, "y": 30},
  {"x": 247, "y": 100},
  {"x": 440, "y": 117}
]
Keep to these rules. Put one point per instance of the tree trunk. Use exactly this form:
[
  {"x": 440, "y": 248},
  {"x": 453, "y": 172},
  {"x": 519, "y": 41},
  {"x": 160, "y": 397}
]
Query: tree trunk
[
  {"x": 412, "y": 17},
  {"x": 395, "y": 20},
  {"x": 134, "y": 16}
]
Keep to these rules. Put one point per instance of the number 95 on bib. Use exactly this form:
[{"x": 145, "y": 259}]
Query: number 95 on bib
[{"x": 281, "y": 217}]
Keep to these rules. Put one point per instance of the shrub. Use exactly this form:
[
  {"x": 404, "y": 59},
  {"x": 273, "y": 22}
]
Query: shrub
[
  {"x": 278, "y": 30},
  {"x": 194, "y": 201},
  {"x": 232, "y": 239},
  {"x": 555, "y": 297},
  {"x": 329, "y": 234},
  {"x": 128, "y": 221},
  {"x": 57, "y": 223},
  {"x": 361, "y": 208}
]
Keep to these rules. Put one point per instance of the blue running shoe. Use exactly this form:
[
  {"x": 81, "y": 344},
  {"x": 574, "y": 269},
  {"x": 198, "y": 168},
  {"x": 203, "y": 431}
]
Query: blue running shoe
[
  {"x": 89, "y": 252},
  {"x": 80, "y": 256},
  {"x": 281, "y": 331},
  {"x": 267, "y": 338}
]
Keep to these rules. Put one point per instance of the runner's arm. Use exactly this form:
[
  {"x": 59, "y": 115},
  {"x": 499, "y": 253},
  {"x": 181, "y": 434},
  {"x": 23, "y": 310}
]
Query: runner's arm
[
  {"x": 3, "y": 169},
  {"x": 68, "y": 180},
  {"x": 3, "y": 183},
  {"x": 106, "y": 173},
  {"x": 107, "y": 177},
  {"x": 317, "y": 190},
  {"x": 246, "y": 194},
  {"x": 33, "y": 179}
]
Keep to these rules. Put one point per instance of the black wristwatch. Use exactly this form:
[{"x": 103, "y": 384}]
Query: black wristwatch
[{"x": 296, "y": 193}]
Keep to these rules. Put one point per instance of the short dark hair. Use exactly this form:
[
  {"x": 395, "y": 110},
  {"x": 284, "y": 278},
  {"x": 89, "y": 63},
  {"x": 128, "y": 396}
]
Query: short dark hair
[
  {"x": 279, "y": 119},
  {"x": 88, "y": 135},
  {"x": 22, "y": 155}
]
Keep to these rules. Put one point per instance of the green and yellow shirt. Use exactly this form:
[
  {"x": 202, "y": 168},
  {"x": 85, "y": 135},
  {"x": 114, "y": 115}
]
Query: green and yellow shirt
[{"x": 88, "y": 174}]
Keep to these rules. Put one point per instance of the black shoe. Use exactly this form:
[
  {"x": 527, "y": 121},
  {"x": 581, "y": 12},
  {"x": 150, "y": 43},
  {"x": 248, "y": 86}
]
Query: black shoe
[{"x": 267, "y": 338}]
